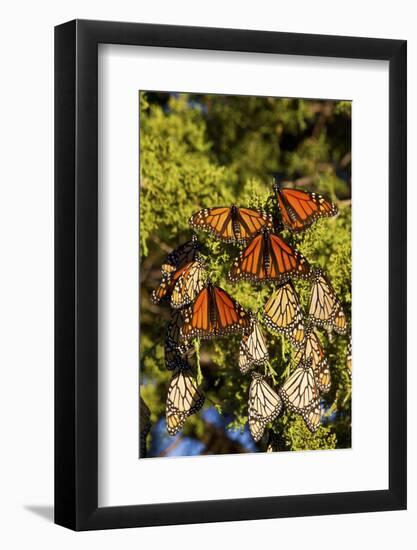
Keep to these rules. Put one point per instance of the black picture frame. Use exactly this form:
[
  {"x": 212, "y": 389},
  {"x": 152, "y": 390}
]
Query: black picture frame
[{"x": 76, "y": 271}]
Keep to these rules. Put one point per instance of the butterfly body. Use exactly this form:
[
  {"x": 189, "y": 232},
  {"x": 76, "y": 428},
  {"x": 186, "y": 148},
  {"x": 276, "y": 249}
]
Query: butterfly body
[
  {"x": 267, "y": 254},
  {"x": 235, "y": 223}
]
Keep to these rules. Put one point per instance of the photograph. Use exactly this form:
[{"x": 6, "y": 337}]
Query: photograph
[{"x": 245, "y": 274}]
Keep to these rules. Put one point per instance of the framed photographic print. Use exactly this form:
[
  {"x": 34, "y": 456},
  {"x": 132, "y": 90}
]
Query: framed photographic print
[{"x": 230, "y": 275}]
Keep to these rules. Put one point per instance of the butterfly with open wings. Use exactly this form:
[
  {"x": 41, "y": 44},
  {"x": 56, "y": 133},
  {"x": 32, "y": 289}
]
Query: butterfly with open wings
[
  {"x": 300, "y": 209},
  {"x": 214, "y": 313},
  {"x": 269, "y": 258},
  {"x": 231, "y": 224}
]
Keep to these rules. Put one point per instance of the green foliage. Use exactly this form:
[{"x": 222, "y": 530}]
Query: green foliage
[
  {"x": 176, "y": 174},
  {"x": 199, "y": 151}
]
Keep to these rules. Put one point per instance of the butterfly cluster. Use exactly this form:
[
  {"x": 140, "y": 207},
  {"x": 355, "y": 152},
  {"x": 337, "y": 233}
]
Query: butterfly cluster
[{"x": 202, "y": 310}]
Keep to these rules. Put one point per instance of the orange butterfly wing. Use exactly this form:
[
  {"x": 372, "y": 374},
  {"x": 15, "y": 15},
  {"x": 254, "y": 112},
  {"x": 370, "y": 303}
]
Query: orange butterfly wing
[
  {"x": 269, "y": 258},
  {"x": 251, "y": 222},
  {"x": 168, "y": 282},
  {"x": 230, "y": 317},
  {"x": 285, "y": 260},
  {"x": 300, "y": 209},
  {"x": 217, "y": 220},
  {"x": 289, "y": 223},
  {"x": 197, "y": 316},
  {"x": 250, "y": 262}
]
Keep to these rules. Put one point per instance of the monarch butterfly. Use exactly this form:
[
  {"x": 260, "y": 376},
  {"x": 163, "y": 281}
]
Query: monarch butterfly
[
  {"x": 252, "y": 350},
  {"x": 175, "y": 355},
  {"x": 144, "y": 425},
  {"x": 268, "y": 258},
  {"x": 214, "y": 313},
  {"x": 182, "y": 285},
  {"x": 312, "y": 349},
  {"x": 324, "y": 307},
  {"x": 164, "y": 289},
  {"x": 282, "y": 313},
  {"x": 176, "y": 349},
  {"x": 300, "y": 392},
  {"x": 188, "y": 285},
  {"x": 173, "y": 332},
  {"x": 183, "y": 400},
  {"x": 264, "y": 405},
  {"x": 300, "y": 209},
  {"x": 312, "y": 417},
  {"x": 323, "y": 377},
  {"x": 182, "y": 255},
  {"x": 231, "y": 224},
  {"x": 339, "y": 322},
  {"x": 349, "y": 358}
]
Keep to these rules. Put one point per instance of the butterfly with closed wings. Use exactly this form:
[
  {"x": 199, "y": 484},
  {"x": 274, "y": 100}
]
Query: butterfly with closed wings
[
  {"x": 325, "y": 309},
  {"x": 264, "y": 405},
  {"x": 183, "y": 400},
  {"x": 300, "y": 392},
  {"x": 312, "y": 417},
  {"x": 252, "y": 350},
  {"x": 177, "y": 350},
  {"x": 282, "y": 313},
  {"x": 312, "y": 349},
  {"x": 181, "y": 287}
]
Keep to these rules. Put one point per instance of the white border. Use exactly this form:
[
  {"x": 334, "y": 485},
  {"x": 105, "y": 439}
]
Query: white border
[{"x": 123, "y": 479}]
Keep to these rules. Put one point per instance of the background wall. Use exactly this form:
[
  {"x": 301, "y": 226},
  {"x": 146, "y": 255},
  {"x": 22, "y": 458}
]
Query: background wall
[{"x": 26, "y": 287}]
